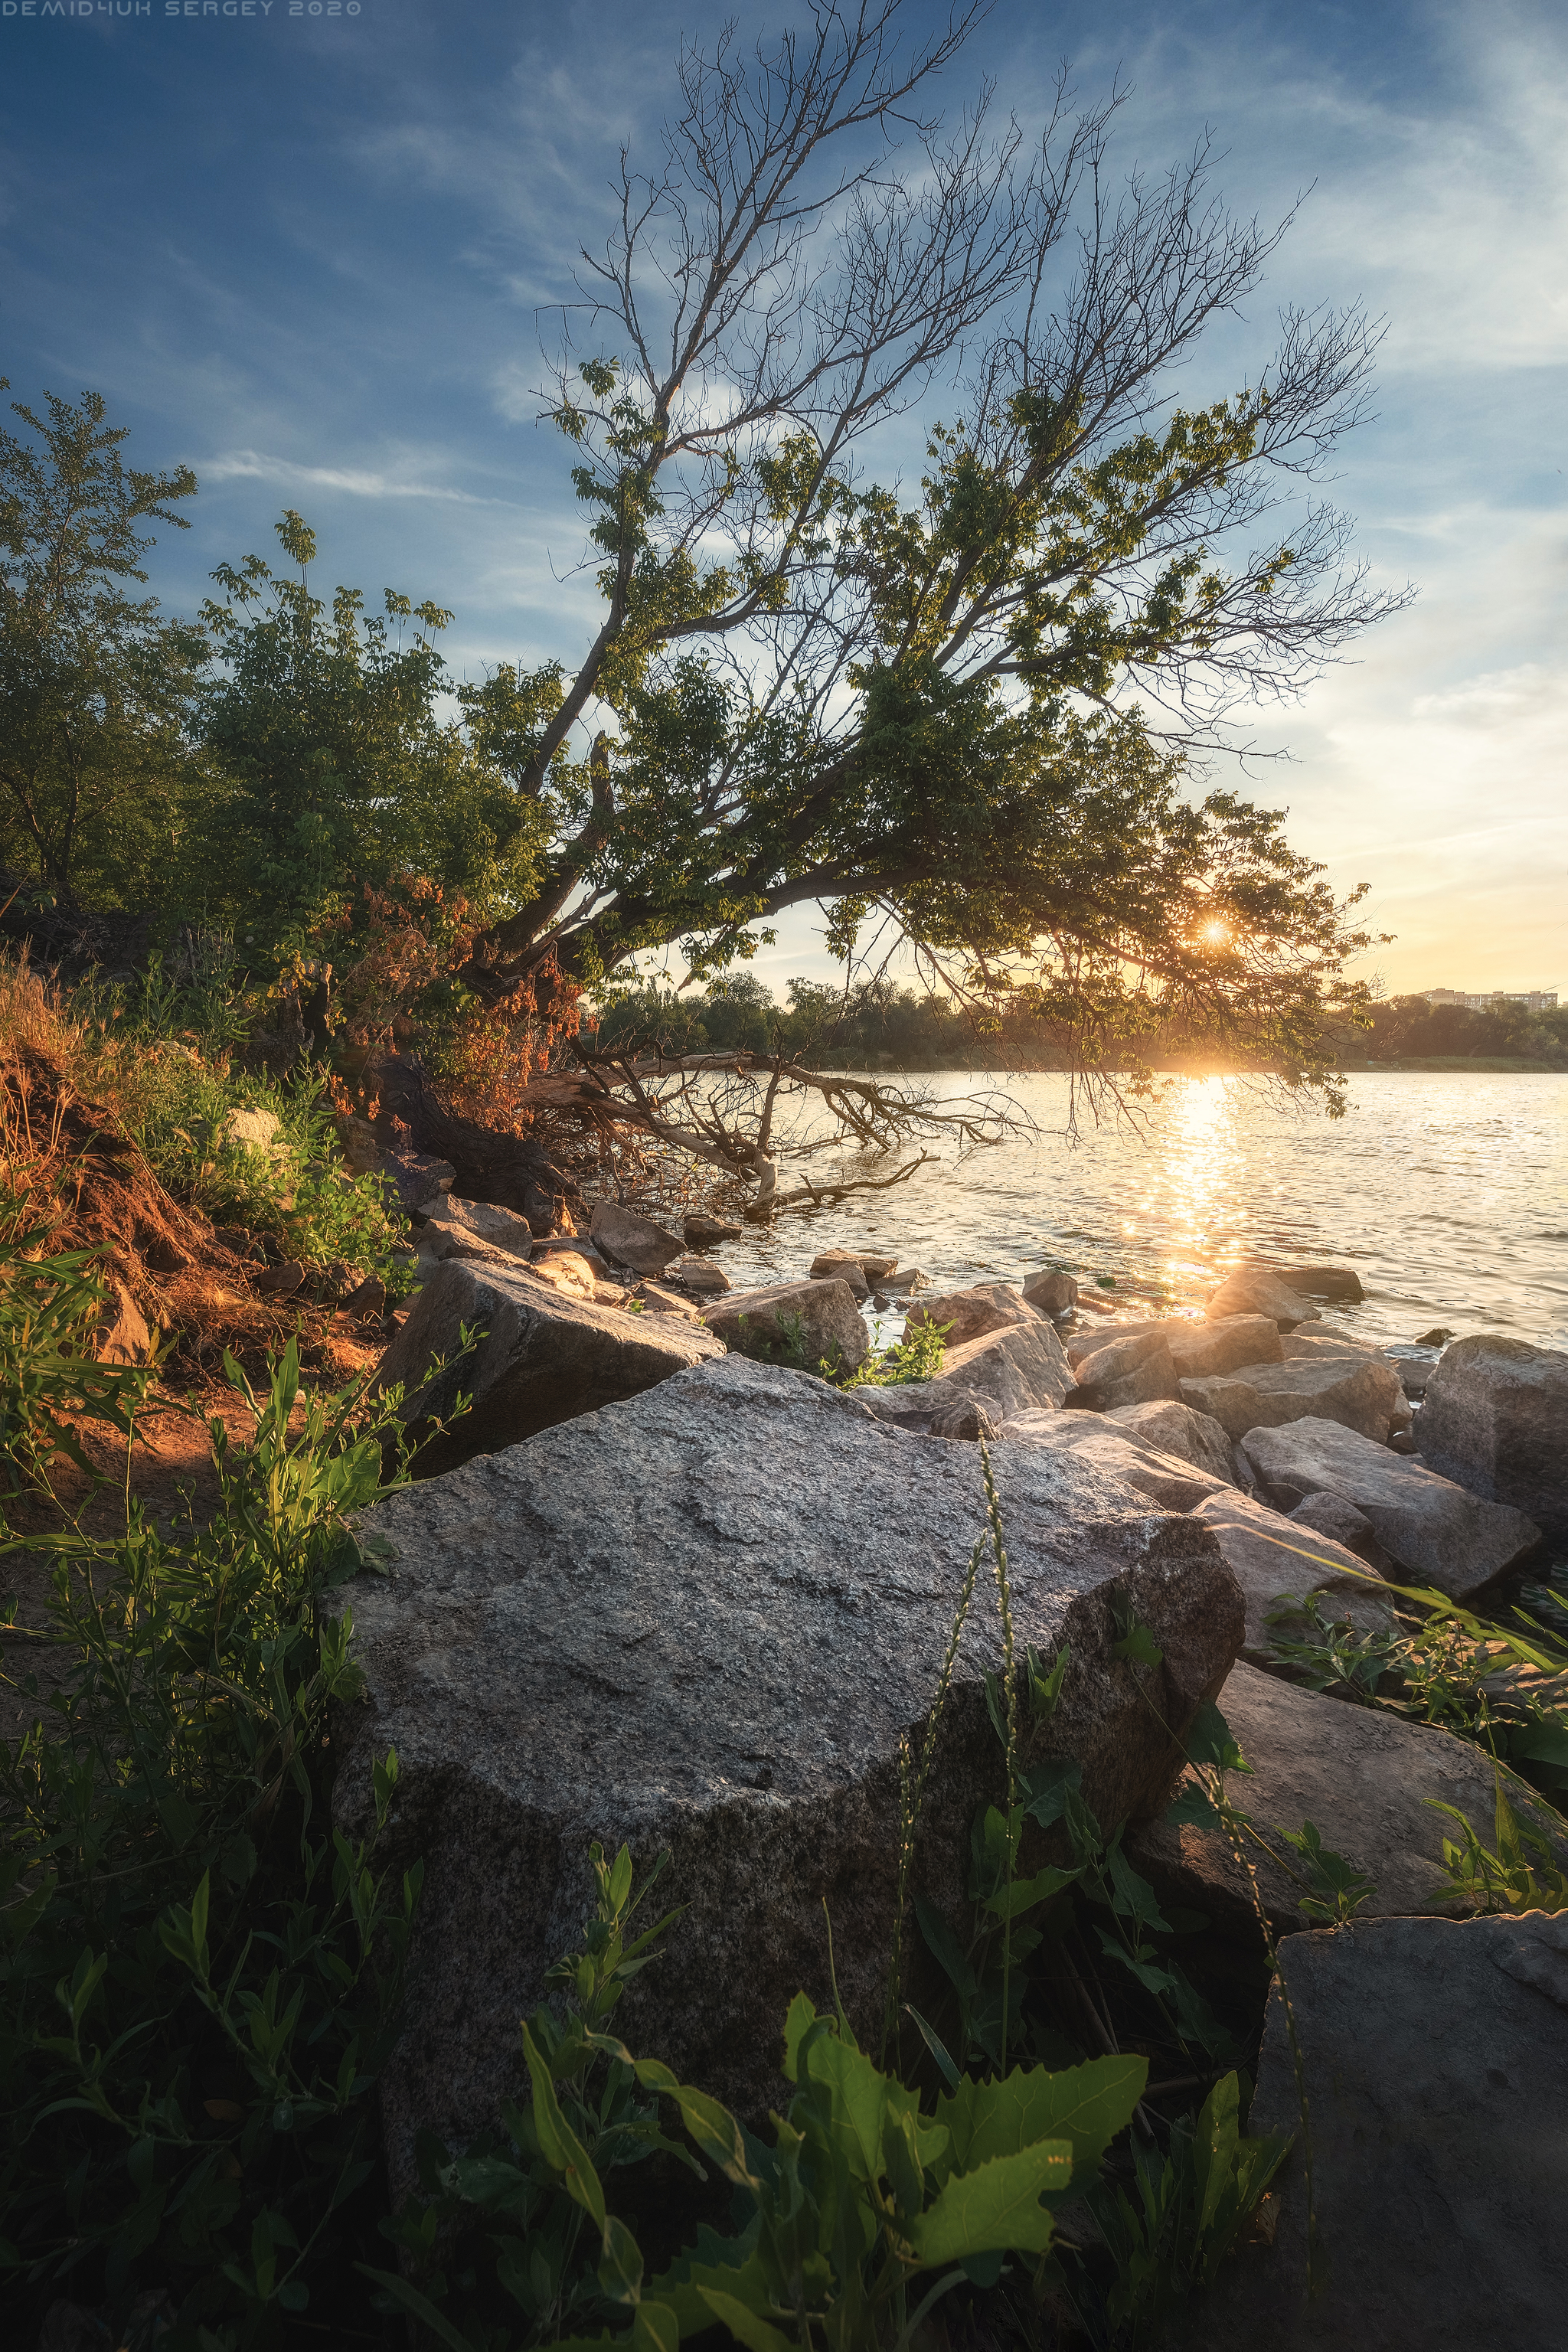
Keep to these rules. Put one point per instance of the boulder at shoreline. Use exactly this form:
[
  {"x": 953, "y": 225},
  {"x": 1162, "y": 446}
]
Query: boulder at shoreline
[
  {"x": 702, "y": 1621},
  {"x": 1496, "y": 1419}
]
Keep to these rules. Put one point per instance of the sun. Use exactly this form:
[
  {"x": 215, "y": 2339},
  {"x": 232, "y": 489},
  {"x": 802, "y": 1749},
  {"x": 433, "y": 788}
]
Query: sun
[{"x": 1216, "y": 932}]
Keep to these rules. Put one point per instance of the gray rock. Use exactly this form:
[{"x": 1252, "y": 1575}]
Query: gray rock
[
  {"x": 1084, "y": 1343},
  {"x": 1257, "y": 1290},
  {"x": 1136, "y": 1371},
  {"x": 1009, "y": 1370},
  {"x": 1272, "y": 1557},
  {"x": 707, "y": 1232},
  {"x": 987, "y": 1306},
  {"x": 1315, "y": 1281},
  {"x": 1496, "y": 1420},
  {"x": 1332, "y": 1515},
  {"x": 456, "y": 1219},
  {"x": 1328, "y": 1339},
  {"x": 254, "y": 1130},
  {"x": 1198, "y": 1349},
  {"x": 633, "y": 1240},
  {"x": 1369, "y": 1783},
  {"x": 1434, "y": 1531},
  {"x": 767, "y": 1323},
  {"x": 1051, "y": 1294},
  {"x": 1435, "y": 2058},
  {"x": 702, "y": 1621},
  {"x": 1166, "y": 1478},
  {"x": 544, "y": 1357},
  {"x": 1361, "y": 1392},
  {"x": 907, "y": 1279},
  {"x": 699, "y": 1274},
  {"x": 655, "y": 1299},
  {"x": 1176, "y": 1429},
  {"x": 969, "y": 1420},
  {"x": 415, "y": 1178},
  {"x": 871, "y": 1265}
]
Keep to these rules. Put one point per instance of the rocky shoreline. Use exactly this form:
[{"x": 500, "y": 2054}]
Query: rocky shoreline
[{"x": 674, "y": 1588}]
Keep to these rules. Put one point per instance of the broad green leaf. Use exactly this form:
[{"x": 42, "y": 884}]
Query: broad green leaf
[
  {"x": 731, "y": 2266},
  {"x": 1211, "y": 1741},
  {"x": 1194, "y": 1808},
  {"x": 1047, "y": 1785},
  {"x": 994, "y": 2208},
  {"x": 655, "y": 2328},
  {"x": 747, "y": 2326},
  {"x": 1084, "y": 2105},
  {"x": 1008, "y": 1902},
  {"x": 621, "y": 2263}
]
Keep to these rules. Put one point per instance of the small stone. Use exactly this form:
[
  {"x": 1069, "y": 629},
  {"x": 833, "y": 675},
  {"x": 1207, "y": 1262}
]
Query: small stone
[
  {"x": 369, "y": 1299},
  {"x": 125, "y": 1336},
  {"x": 253, "y": 1131},
  {"x": 279, "y": 1281},
  {"x": 1437, "y": 1337},
  {"x": 706, "y": 1232},
  {"x": 633, "y": 1240},
  {"x": 699, "y": 1274},
  {"x": 874, "y": 1268},
  {"x": 1051, "y": 1294}
]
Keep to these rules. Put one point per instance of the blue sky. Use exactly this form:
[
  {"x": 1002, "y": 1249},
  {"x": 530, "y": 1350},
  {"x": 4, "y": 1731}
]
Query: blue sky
[{"x": 304, "y": 253}]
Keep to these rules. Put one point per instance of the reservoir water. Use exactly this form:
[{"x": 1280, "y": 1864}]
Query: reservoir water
[{"x": 1446, "y": 1192}]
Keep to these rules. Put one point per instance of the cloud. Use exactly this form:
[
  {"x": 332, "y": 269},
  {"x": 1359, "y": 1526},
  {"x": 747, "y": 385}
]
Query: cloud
[{"x": 254, "y": 465}]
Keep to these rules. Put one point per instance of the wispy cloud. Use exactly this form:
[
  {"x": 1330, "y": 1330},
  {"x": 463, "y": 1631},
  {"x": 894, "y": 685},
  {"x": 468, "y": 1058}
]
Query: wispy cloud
[{"x": 254, "y": 464}]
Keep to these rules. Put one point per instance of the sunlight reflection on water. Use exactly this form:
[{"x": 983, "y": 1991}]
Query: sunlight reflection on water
[{"x": 1448, "y": 1193}]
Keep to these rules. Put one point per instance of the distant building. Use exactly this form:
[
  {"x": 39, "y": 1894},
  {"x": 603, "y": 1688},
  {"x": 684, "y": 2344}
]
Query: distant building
[{"x": 1535, "y": 999}]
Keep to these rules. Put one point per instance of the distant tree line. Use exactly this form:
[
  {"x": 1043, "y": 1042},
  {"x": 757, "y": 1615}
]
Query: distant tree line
[{"x": 1409, "y": 1029}]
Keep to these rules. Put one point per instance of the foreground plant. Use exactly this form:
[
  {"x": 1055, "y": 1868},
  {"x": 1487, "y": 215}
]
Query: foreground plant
[{"x": 198, "y": 1993}]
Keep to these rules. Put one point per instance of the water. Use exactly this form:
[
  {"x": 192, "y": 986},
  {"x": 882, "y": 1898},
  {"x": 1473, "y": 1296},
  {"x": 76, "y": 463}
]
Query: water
[{"x": 1446, "y": 1192}]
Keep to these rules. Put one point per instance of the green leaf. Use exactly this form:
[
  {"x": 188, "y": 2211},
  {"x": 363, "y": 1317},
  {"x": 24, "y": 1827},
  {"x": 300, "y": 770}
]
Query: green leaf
[
  {"x": 621, "y": 2264},
  {"x": 1010, "y": 1902},
  {"x": 995, "y": 2208},
  {"x": 558, "y": 2143},
  {"x": 1047, "y": 1786},
  {"x": 1084, "y": 2105},
  {"x": 747, "y": 2326},
  {"x": 1211, "y": 1741}
]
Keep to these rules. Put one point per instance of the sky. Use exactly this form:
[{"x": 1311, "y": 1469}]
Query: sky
[{"x": 303, "y": 248}]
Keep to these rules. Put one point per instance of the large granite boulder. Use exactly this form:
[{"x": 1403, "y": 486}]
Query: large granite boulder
[
  {"x": 1176, "y": 1429},
  {"x": 783, "y": 1321},
  {"x": 1256, "y": 1290},
  {"x": 1098, "y": 1439},
  {"x": 1433, "y": 2057},
  {"x": 454, "y": 1224},
  {"x": 1496, "y": 1420},
  {"x": 1272, "y": 1558},
  {"x": 544, "y": 1356},
  {"x": 631, "y": 1239},
  {"x": 1369, "y": 1782},
  {"x": 1130, "y": 1370},
  {"x": 1360, "y": 1392},
  {"x": 986, "y": 1306},
  {"x": 1432, "y": 1530},
  {"x": 701, "y": 1622}
]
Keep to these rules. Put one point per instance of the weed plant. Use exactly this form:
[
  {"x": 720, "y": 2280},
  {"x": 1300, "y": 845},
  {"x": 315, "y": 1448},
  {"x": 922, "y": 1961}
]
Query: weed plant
[
  {"x": 50, "y": 1307},
  {"x": 199, "y": 1989}
]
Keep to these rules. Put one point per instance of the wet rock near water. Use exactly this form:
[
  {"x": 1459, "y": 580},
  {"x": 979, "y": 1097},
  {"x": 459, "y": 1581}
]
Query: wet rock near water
[
  {"x": 1496, "y": 1419},
  {"x": 1051, "y": 1294},
  {"x": 1432, "y": 1530},
  {"x": 1434, "y": 2062},
  {"x": 631, "y": 1239},
  {"x": 722, "y": 1662},
  {"x": 544, "y": 1357},
  {"x": 703, "y": 1232},
  {"x": 1256, "y": 1290},
  {"x": 1339, "y": 1282}
]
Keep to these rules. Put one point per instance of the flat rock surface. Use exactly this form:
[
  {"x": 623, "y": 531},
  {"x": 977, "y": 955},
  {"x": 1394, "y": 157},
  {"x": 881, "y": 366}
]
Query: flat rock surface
[
  {"x": 1021, "y": 1366},
  {"x": 1435, "y": 2061},
  {"x": 1433, "y": 1530},
  {"x": 1272, "y": 1557},
  {"x": 1137, "y": 1370},
  {"x": 1363, "y": 1777},
  {"x": 1359, "y": 1391},
  {"x": 1099, "y": 1439},
  {"x": 1198, "y": 1348},
  {"x": 702, "y": 1621},
  {"x": 633, "y": 1240},
  {"x": 546, "y": 1356},
  {"x": 1496, "y": 1419}
]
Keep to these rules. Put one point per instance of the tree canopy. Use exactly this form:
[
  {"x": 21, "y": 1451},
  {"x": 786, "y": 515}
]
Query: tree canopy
[{"x": 968, "y": 717}]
